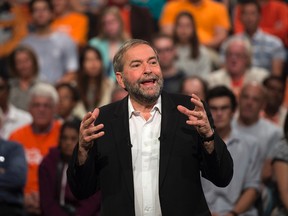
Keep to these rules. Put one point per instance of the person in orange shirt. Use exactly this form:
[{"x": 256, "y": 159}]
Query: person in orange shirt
[
  {"x": 73, "y": 23},
  {"x": 212, "y": 19},
  {"x": 37, "y": 138},
  {"x": 274, "y": 19}
]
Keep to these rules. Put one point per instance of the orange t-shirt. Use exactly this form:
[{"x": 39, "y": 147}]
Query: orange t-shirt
[
  {"x": 208, "y": 16},
  {"x": 237, "y": 86},
  {"x": 75, "y": 25},
  {"x": 274, "y": 19},
  {"x": 16, "y": 22},
  {"x": 36, "y": 146},
  {"x": 125, "y": 14}
]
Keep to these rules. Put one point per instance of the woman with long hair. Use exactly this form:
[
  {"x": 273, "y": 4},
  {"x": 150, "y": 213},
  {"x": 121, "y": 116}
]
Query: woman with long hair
[
  {"x": 56, "y": 197},
  {"x": 23, "y": 67},
  {"x": 192, "y": 57},
  {"x": 94, "y": 87},
  {"x": 111, "y": 37}
]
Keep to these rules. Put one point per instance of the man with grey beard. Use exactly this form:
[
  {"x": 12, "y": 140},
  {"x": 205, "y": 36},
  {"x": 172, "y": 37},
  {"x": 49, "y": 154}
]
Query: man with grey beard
[{"x": 146, "y": 152}]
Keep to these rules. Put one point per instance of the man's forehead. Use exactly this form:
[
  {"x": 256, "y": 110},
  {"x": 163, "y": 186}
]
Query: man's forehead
[{"x": 139, "y": 52}]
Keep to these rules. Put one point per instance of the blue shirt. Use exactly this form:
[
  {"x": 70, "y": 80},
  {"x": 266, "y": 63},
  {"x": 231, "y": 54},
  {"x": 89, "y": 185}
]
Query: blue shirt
[{"x": 247, "y": 166}]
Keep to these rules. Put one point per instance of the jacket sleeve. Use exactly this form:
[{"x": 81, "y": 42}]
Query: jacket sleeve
[
  {"x": 15, "y": 173},
  {"x": 217, "y": 166},
  {"x": 83, "y": 180}
]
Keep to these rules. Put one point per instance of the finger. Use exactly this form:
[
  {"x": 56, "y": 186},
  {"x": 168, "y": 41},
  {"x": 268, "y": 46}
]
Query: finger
[
  {"x": 87, "y": 122},
  {"x": 197, "y": 114},
  {"x": 88, "y": 139},
  {"x": 95, "y": 113},
  {"x": 198, "y": 103},
  {"x": 184, "y": 110},
  {"x": 196, "y": 123},
  {"x": 87, "y": 116},
  {"x": 196, "y": 97},
  {"x": 93, "y": 129}
]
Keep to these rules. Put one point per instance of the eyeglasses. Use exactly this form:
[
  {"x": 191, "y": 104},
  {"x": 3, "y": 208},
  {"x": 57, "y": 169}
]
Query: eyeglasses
[
  {"x": 236, "y": 55},
  {"x": 39, "y": 105}
]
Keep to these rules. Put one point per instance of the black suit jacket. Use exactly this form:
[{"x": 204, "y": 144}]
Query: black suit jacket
[{"x": 182, "y": 157}]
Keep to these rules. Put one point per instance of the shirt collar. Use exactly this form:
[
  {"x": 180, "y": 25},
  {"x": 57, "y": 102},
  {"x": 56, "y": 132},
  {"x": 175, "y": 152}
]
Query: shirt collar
[
  {"x": 256, "y": 36},
  {"x": 132, "y": 111},
  {"x": 233, "y": 137}
]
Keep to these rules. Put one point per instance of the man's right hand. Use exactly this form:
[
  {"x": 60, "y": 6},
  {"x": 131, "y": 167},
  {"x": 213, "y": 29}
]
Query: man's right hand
[{"x": 88, "y": 133}]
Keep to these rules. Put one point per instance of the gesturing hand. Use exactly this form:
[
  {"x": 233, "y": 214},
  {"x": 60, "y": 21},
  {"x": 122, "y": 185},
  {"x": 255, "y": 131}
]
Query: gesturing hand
[
  {"x": 197, "y": 117},
  {"x": 88, "y": 133}
]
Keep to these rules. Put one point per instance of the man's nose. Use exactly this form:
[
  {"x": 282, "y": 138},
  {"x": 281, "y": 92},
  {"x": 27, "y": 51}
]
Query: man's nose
[{"x": 147, "y": 68}]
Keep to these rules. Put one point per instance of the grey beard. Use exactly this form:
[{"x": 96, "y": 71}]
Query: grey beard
[{"x": 140, "y": 96}]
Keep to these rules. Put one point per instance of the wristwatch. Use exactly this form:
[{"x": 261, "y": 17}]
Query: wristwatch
[{"x": 210, "y": 138}]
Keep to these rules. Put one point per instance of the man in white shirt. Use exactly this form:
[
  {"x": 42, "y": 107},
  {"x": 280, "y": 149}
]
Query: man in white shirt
[
  {"x": 145, "y": 152},
  {"x": 11, "y": 118}
]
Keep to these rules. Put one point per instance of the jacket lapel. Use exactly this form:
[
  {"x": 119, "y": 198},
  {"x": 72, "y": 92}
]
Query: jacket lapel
[
  {"x": 120, "y": 125},
  {"x": 170, "y": 116}
]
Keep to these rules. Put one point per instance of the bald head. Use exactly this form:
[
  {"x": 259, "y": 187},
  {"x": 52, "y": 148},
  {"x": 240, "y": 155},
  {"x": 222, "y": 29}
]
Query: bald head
[{"x": 251, "y": 102}]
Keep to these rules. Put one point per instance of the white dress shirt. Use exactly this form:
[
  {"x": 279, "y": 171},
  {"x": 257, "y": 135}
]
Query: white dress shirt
[
  {"x": 12, "y": 120},
  {"x": 145, "y": 142}
]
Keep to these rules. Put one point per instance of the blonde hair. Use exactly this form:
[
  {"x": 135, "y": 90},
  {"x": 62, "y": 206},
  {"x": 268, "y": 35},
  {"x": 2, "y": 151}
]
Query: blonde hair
[{"x": 122, "y": 34}]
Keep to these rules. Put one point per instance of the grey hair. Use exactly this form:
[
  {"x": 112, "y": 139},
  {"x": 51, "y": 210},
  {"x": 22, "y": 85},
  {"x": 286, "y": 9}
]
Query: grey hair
[
  {"x": 44, "y": 90},
  {"x": 118, "y": 63},
  {"x": 245, "y": 42}
]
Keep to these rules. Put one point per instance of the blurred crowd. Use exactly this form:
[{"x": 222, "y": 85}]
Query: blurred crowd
[{"x": 56, "y": 64}]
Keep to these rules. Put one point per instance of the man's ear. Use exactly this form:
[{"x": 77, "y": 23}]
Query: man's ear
[{"x": 119, "y": 79}]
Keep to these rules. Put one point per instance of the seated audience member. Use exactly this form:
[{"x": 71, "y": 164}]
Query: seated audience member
[
  {"x": 94, "y": 87},
  {"x": 192, "y": 57},
  {"x": 118, "y": 93},
  {"x": 56, "y": 52},
  {"x": 252, "y": 101},
  {"x": 111, "y": 36},
  {"x": 13, "y": 170},
  {"x": 70, "y": 22},
  {"x": 24, "y": 68},
  {"x": 92, "y": 10},
  {"x": 239, "y": 197},
  {"x": 37, "y": 138},
  {"x": 268, "y": 50},
  {"x": 56, "y": 197},
  {"x": 154, "y": 7},
  {"x": 211, "y": 18},
  {"x": 172, "y": 76},
  {"x": 138, "y": 21},
  {"x": 274, "y": 109},
  {"x": 280, "y": 171},
  {"x": 12, "y": 26},
  {"x": 13, "y": 118},
  {"x": 237, "y": 68},
  {"x": 194, "y": 85},
  {"x": 273, "y": 18},
  {"x": 69, "y": 106}
]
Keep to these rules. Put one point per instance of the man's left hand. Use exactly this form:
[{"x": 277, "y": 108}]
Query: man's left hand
[{"x": 197, "y": 117}]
